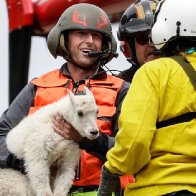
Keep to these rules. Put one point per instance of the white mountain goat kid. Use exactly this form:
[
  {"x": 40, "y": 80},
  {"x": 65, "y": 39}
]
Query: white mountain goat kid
[{"x": 35, "y": 141}]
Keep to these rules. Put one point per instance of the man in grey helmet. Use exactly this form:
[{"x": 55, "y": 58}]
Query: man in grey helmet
[
  {"x": 83, "y": 37},
  {"x": 134, "y": 36}
]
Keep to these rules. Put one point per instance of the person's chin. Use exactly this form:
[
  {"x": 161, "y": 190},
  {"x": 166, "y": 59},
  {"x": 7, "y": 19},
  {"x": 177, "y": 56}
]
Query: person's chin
[{"x": 86, "y": 64}]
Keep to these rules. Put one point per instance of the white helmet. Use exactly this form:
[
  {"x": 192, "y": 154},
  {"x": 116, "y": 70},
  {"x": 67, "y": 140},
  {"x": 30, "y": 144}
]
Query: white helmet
[{"x": 174, "y": 19}]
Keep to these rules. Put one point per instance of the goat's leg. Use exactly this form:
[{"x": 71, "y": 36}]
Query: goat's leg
[
  {"x": 66, "y": 173},
  {"x": 38, "y": 173}
]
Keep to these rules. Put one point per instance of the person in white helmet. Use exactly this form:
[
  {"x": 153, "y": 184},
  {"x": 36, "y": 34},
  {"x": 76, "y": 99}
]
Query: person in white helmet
[{"x": 157, "y": 123}]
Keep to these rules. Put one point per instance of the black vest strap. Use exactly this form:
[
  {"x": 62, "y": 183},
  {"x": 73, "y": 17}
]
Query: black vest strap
[
  {"x": 189, "y": 70},
  {"x": 191, "y": 73},
  {"x": 179, "y": 119}
]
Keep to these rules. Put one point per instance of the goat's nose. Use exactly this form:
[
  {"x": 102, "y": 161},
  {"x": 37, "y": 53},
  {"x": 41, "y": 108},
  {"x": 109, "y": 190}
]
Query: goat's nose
[{"x": 94, "y": 132}]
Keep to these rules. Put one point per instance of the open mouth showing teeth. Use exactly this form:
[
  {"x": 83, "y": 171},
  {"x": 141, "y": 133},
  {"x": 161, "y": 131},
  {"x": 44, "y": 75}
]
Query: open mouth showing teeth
[{"x": 86, "y": 51}]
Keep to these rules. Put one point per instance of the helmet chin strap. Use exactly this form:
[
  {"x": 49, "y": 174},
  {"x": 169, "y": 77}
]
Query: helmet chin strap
[{"x": 157, "y": 52}]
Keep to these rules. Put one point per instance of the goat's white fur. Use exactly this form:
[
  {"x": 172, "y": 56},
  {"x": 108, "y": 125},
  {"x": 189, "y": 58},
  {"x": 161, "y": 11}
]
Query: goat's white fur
[
  {"x": 13, "y": 183},
  {"x": 35, "y": 141}
]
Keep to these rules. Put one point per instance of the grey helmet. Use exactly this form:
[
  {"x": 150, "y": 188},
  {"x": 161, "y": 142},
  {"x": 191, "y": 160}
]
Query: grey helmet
[
  {"x": 138, "y": 17},
  {"x": 81, "y": 16}
]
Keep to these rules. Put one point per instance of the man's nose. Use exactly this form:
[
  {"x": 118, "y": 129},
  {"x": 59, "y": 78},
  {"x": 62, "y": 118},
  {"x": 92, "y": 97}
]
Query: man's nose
[{"x": 89, "y": 38}]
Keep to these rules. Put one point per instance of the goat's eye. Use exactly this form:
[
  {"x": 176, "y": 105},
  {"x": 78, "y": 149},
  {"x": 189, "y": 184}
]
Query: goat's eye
[{"x": 80, "y": 113}]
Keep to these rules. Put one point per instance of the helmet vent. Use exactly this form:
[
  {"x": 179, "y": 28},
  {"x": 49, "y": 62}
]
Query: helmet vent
[{"x": 178, "y": 23}]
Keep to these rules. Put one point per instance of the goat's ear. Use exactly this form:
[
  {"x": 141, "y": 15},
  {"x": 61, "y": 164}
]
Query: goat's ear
[
  {"x": 87, "y": 91},
  {"x": 71, "y": 95}
]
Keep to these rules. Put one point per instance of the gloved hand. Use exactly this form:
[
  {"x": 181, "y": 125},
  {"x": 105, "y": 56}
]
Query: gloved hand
[{"x": 110, "y": 183}]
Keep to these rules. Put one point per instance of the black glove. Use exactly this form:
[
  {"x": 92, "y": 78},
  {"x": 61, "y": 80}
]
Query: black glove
[{"x": 110, "y": 184}]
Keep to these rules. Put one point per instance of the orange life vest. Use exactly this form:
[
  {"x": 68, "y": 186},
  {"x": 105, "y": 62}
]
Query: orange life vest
[{"x": 52, "y": 86}]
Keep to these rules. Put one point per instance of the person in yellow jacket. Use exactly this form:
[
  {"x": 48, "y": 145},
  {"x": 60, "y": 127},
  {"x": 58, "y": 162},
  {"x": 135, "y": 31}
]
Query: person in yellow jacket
[
  {"x": 83, "y": 37},
  {"x": 157, "y": 124}
]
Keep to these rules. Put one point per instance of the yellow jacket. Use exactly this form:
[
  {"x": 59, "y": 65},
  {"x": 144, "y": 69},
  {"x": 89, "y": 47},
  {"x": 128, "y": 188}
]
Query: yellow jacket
[{"x": 162, "y": 160}]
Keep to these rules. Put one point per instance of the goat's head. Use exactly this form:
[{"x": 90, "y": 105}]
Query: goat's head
[{"x": 84, "y": 114}]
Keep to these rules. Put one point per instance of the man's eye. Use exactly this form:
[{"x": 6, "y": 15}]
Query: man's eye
[
  {"x": 81, "y": 32},
  {"x": 97, "y": 35}
]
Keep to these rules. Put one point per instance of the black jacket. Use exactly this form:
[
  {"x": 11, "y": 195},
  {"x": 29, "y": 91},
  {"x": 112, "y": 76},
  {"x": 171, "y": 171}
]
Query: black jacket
[{"x": 128, "y": 74}]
